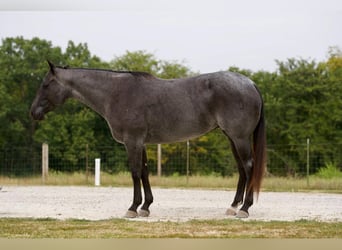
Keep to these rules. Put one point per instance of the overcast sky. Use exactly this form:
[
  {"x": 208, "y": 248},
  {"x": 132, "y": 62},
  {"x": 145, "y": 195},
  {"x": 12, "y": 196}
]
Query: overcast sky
[{"x": 206, "y": 36}]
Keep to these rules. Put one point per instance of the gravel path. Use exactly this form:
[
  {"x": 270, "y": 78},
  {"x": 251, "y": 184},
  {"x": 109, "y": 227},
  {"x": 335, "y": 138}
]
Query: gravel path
[{"x": 97, "y": 203}]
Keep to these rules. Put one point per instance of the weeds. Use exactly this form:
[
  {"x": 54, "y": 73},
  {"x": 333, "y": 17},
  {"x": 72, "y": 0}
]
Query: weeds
[
  {"x": 330, "y": 171},
  {"x": 319, "y": 182}
]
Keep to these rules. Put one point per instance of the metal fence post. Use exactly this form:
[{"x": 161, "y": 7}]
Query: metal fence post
[
  {"x": 307, "y": 160},
  {"x": 45, "y": 162},
  {"x": 159, "y": 159},
  {"x": 187, "y": 161},
  {"x": 86, "y": 163}
]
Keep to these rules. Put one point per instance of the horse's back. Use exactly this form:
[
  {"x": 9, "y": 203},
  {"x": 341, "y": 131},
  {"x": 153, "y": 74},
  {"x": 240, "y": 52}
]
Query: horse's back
[{"x": 225, "y": 90}]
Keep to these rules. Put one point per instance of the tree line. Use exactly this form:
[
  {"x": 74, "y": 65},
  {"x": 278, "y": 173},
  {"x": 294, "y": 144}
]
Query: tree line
[{"x": 303, "y": 99}]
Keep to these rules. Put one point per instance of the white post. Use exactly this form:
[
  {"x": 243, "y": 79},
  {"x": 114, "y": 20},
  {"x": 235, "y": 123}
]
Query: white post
[
  {"x": 45, "y": 162},
  {"x": 97, "y": 171}
]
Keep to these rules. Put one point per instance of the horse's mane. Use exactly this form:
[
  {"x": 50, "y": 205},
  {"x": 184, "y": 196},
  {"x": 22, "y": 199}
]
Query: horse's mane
[{"x": 133, "y": 73}]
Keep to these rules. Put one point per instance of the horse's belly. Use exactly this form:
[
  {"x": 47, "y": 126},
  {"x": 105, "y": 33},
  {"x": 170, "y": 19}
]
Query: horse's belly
[{"x": 178, "y": 132}]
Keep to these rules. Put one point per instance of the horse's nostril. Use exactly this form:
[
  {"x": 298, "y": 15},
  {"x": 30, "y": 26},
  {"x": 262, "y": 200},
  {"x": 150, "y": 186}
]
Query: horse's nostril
[
  {"x": 37, "y": 113},
  {"x": 33, "y": 115}
]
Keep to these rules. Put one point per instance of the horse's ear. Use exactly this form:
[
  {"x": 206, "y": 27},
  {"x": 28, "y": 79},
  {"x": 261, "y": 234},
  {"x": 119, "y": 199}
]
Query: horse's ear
[{"x": 52, "y": 67}]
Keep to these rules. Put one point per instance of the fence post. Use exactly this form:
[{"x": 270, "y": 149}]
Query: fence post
[
  {"x": 86, "y": 163},
  {"x": 307, "y": 160},
  {"x": 159, "y": 159},
  {"x": 45, "y": 162},
  {"x": 97, "y": 171},
  {"x": 187, "y": 161}
]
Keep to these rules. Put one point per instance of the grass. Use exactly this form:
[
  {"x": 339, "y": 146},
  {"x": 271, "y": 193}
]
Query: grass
[
  {"x": 275, "y": 184},
  {"x": 121, "y": 228}
]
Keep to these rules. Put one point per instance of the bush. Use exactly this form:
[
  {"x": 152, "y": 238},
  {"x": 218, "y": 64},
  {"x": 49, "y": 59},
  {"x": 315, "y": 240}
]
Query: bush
[{"x": 329, "y": 171}]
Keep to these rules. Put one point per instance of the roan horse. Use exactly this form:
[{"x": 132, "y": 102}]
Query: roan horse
[{"x": 142, "y": 109}]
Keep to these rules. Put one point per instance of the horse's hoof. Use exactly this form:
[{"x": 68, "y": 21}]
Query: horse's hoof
[
  {"x": 242, "y": 214},
  {"x": 144, "y": 213},
  {"x": 131, "y": 214},
  {"x": 231, "y": 211}
]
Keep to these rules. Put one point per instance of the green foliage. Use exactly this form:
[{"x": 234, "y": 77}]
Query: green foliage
[
  {"x": 330, "y": 171},
  {"x": 136, "y": 61},
  {"x": 146, "y": 62},
  {"x": 22, "y": 70},
  {"x": 303, "y": 99}
]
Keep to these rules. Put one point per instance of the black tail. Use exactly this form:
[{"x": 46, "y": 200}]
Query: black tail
[{"x": 259, "y": 153}]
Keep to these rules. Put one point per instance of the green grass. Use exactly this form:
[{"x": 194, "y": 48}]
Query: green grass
[
  {"x": 275, "y": 184},
  {"x": 121, "y": 228}
]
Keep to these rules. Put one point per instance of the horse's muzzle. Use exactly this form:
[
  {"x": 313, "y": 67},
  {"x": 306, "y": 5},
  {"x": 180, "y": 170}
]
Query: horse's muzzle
[{"x": 38, "y": 113}]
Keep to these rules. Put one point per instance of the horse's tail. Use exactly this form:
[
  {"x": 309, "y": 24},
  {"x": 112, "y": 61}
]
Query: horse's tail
[{"x": 259, "y": 152}]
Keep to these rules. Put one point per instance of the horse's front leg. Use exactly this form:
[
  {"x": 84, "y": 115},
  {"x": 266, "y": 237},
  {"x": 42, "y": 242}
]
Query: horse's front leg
[
  {"x": 135, "y": 152},
  {"x": 144, "y": 211}
]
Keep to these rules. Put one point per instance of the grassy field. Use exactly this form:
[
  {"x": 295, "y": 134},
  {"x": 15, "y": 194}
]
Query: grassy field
[
  {"x": 121, "y": 228},
  {"x": 276, "y": 184}
]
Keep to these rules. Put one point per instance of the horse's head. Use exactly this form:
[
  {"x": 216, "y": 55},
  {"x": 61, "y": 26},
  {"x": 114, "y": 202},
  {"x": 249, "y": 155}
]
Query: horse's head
[{"x": 51, "y": 93}]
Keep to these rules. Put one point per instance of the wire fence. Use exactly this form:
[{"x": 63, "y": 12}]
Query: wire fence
[{"x": 176, "y": 159}]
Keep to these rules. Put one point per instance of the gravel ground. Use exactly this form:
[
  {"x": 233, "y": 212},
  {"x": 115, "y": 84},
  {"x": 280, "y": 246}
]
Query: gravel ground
[{"x": 97, "y": 203}]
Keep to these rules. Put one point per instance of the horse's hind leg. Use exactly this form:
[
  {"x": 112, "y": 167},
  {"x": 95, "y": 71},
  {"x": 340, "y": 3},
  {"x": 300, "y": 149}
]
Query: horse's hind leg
[
  {"x": 241, "y": 186},
  {"x": 244, "y": 153},
  {"x": 144, "y": 211}
]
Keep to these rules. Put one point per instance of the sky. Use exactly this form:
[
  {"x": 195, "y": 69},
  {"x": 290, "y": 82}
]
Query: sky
[{"x": 206, "y": 36}]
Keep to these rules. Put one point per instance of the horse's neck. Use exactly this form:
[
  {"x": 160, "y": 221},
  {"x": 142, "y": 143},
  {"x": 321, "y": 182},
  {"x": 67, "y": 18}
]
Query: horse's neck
[{"x": 90, "y": 89}]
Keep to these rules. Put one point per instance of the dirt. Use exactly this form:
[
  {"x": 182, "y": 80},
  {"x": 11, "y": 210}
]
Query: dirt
[{"x": 99, "y": 203}]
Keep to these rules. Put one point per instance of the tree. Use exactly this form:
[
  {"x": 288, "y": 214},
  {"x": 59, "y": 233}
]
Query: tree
[
  {"x": 146, "y": 62},
  {"x": 21, "y": 71},
  {"x": 334, "y": 101},
  {"x": 136, "y": 61},
  {"x": 302, "y": 100}
]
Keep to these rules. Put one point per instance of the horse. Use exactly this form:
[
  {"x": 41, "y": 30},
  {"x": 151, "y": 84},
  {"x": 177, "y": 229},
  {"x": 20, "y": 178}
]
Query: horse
[{"x": 142, "y": 109}]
